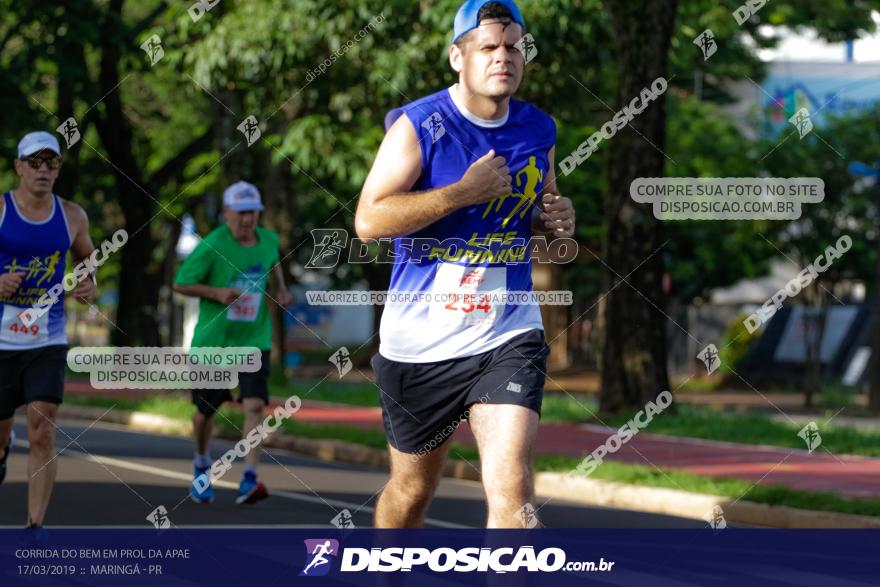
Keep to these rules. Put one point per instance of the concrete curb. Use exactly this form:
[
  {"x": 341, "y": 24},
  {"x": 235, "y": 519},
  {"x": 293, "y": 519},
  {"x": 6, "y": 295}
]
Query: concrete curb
[
  {"x": 696, "y": 506},
  {"x": 583, "y": 490}
]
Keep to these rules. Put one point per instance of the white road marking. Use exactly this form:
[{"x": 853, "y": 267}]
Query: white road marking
[{"x": 132, "y": 466}]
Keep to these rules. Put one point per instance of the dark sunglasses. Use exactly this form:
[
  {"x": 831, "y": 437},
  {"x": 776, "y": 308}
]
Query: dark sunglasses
[{"x": 36, "y": 162}]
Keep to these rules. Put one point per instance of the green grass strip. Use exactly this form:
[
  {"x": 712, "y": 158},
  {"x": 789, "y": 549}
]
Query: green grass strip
[{"x": 230, "y": 420}]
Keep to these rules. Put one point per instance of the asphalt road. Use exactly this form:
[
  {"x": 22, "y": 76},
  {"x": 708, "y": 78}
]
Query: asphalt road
[{"x": 111, "y": 476}]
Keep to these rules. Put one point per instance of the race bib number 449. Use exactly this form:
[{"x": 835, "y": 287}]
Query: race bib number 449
[
  {"x": 467, "y": 295},
  {"x": 15, "y": 332}
]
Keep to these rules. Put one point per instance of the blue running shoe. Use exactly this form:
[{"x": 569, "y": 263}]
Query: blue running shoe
[
  {"x": 250, "y": 490},
  {"x": 202, "y": 479}
]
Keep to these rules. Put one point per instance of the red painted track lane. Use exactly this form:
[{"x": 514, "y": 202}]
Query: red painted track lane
[{"x": 847, "y": 476}]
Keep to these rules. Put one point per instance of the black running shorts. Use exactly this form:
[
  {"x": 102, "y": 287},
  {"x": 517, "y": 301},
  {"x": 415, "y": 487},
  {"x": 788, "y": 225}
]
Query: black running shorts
[
  {"x": 255, "y": 384},
  {"x": 422, "y": 403},
  {"x": 31, "y": 375}
]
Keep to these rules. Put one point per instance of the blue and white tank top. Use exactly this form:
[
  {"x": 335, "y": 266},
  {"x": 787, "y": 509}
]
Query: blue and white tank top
[
  {"x": 39, "y": 250},
  {"x": 464, "y": 277}
]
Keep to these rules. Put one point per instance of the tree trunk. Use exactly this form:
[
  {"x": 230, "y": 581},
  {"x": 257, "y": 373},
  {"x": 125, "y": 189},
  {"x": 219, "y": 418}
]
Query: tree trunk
[
  {"x": 140, "y": 273},
  {"x": 69, "y": 58},
  {"x": 814, "y": 330},
  {"x": 874, "y": 392},
  {"x": 633, "y": 365},
  {"x": 276, "y": 200}
]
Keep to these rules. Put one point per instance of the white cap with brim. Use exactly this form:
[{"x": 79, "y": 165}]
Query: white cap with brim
[
  {"x": 242, "y": 197},
  {"x": 34, "y": 142}
]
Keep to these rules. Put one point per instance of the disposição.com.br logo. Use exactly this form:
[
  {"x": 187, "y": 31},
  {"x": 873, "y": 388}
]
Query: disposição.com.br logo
[{"x": 321, "y": 552}]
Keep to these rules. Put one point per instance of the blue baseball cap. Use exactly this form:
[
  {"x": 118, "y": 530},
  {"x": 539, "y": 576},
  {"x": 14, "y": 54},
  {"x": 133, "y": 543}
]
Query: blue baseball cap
[
  {"x": 468, "y": 17},
  {"x": 34, "y": 142},
  {"x": 242, "y": 197}
]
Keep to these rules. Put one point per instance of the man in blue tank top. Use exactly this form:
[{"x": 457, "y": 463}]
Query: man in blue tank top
[
  {"x": 472, "y": 166},
  {"x": 37, "y": 228}
]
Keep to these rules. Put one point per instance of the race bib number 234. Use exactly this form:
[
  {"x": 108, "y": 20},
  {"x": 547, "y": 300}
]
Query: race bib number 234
[{"x": 468, "y": 295}]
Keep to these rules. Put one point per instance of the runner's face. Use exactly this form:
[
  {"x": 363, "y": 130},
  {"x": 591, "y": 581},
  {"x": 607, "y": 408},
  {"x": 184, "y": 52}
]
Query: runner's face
[
  {"x": 242, "y": 225},
  {"x": 38, "y": 181},
  {"x": 491, "y": 65}
]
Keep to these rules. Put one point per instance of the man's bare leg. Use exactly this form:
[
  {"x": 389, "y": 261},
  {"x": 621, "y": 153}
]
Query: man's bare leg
[
  {"x": 253, "y": 411},
  {"x": 5, "y": 431},
  {"x": 404, "y": 500},
  {"x": 202, "y": 426},
  {"x": 505, "y": 436},
  {"x": 42, "y": 466}
]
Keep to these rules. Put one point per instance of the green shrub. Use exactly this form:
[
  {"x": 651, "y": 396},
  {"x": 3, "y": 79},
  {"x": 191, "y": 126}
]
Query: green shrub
[{"x": 736, "y": 342}]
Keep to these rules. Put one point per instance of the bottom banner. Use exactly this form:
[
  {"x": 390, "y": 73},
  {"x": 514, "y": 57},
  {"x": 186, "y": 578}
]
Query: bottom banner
[{"x": 275, "y": 557}]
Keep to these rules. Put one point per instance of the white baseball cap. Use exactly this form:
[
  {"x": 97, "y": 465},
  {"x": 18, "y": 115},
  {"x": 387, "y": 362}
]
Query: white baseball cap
[
  {"x": 242, "y": 197},
  {"x": 34, "y": 142}
]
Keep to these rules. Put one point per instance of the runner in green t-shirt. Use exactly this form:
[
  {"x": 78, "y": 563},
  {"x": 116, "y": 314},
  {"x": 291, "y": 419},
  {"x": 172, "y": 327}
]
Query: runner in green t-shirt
[{"x": 228, "y": 270}]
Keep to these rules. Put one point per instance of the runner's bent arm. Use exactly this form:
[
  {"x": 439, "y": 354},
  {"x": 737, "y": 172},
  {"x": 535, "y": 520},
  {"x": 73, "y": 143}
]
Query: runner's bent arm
[
  {"x": 223, "y": 295},
  {"x": 282, "y": 294},
  {"x": 80, "y": 248},
  {"x": 195, "y": 270},
  {"x": 554, "y": 214},
  {"x": 387, "y": 208}
]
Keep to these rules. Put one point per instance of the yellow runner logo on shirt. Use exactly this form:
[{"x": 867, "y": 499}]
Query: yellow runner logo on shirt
[
  {"x": 533, "y": 176},
  {"x": 44, "y": 268}
]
